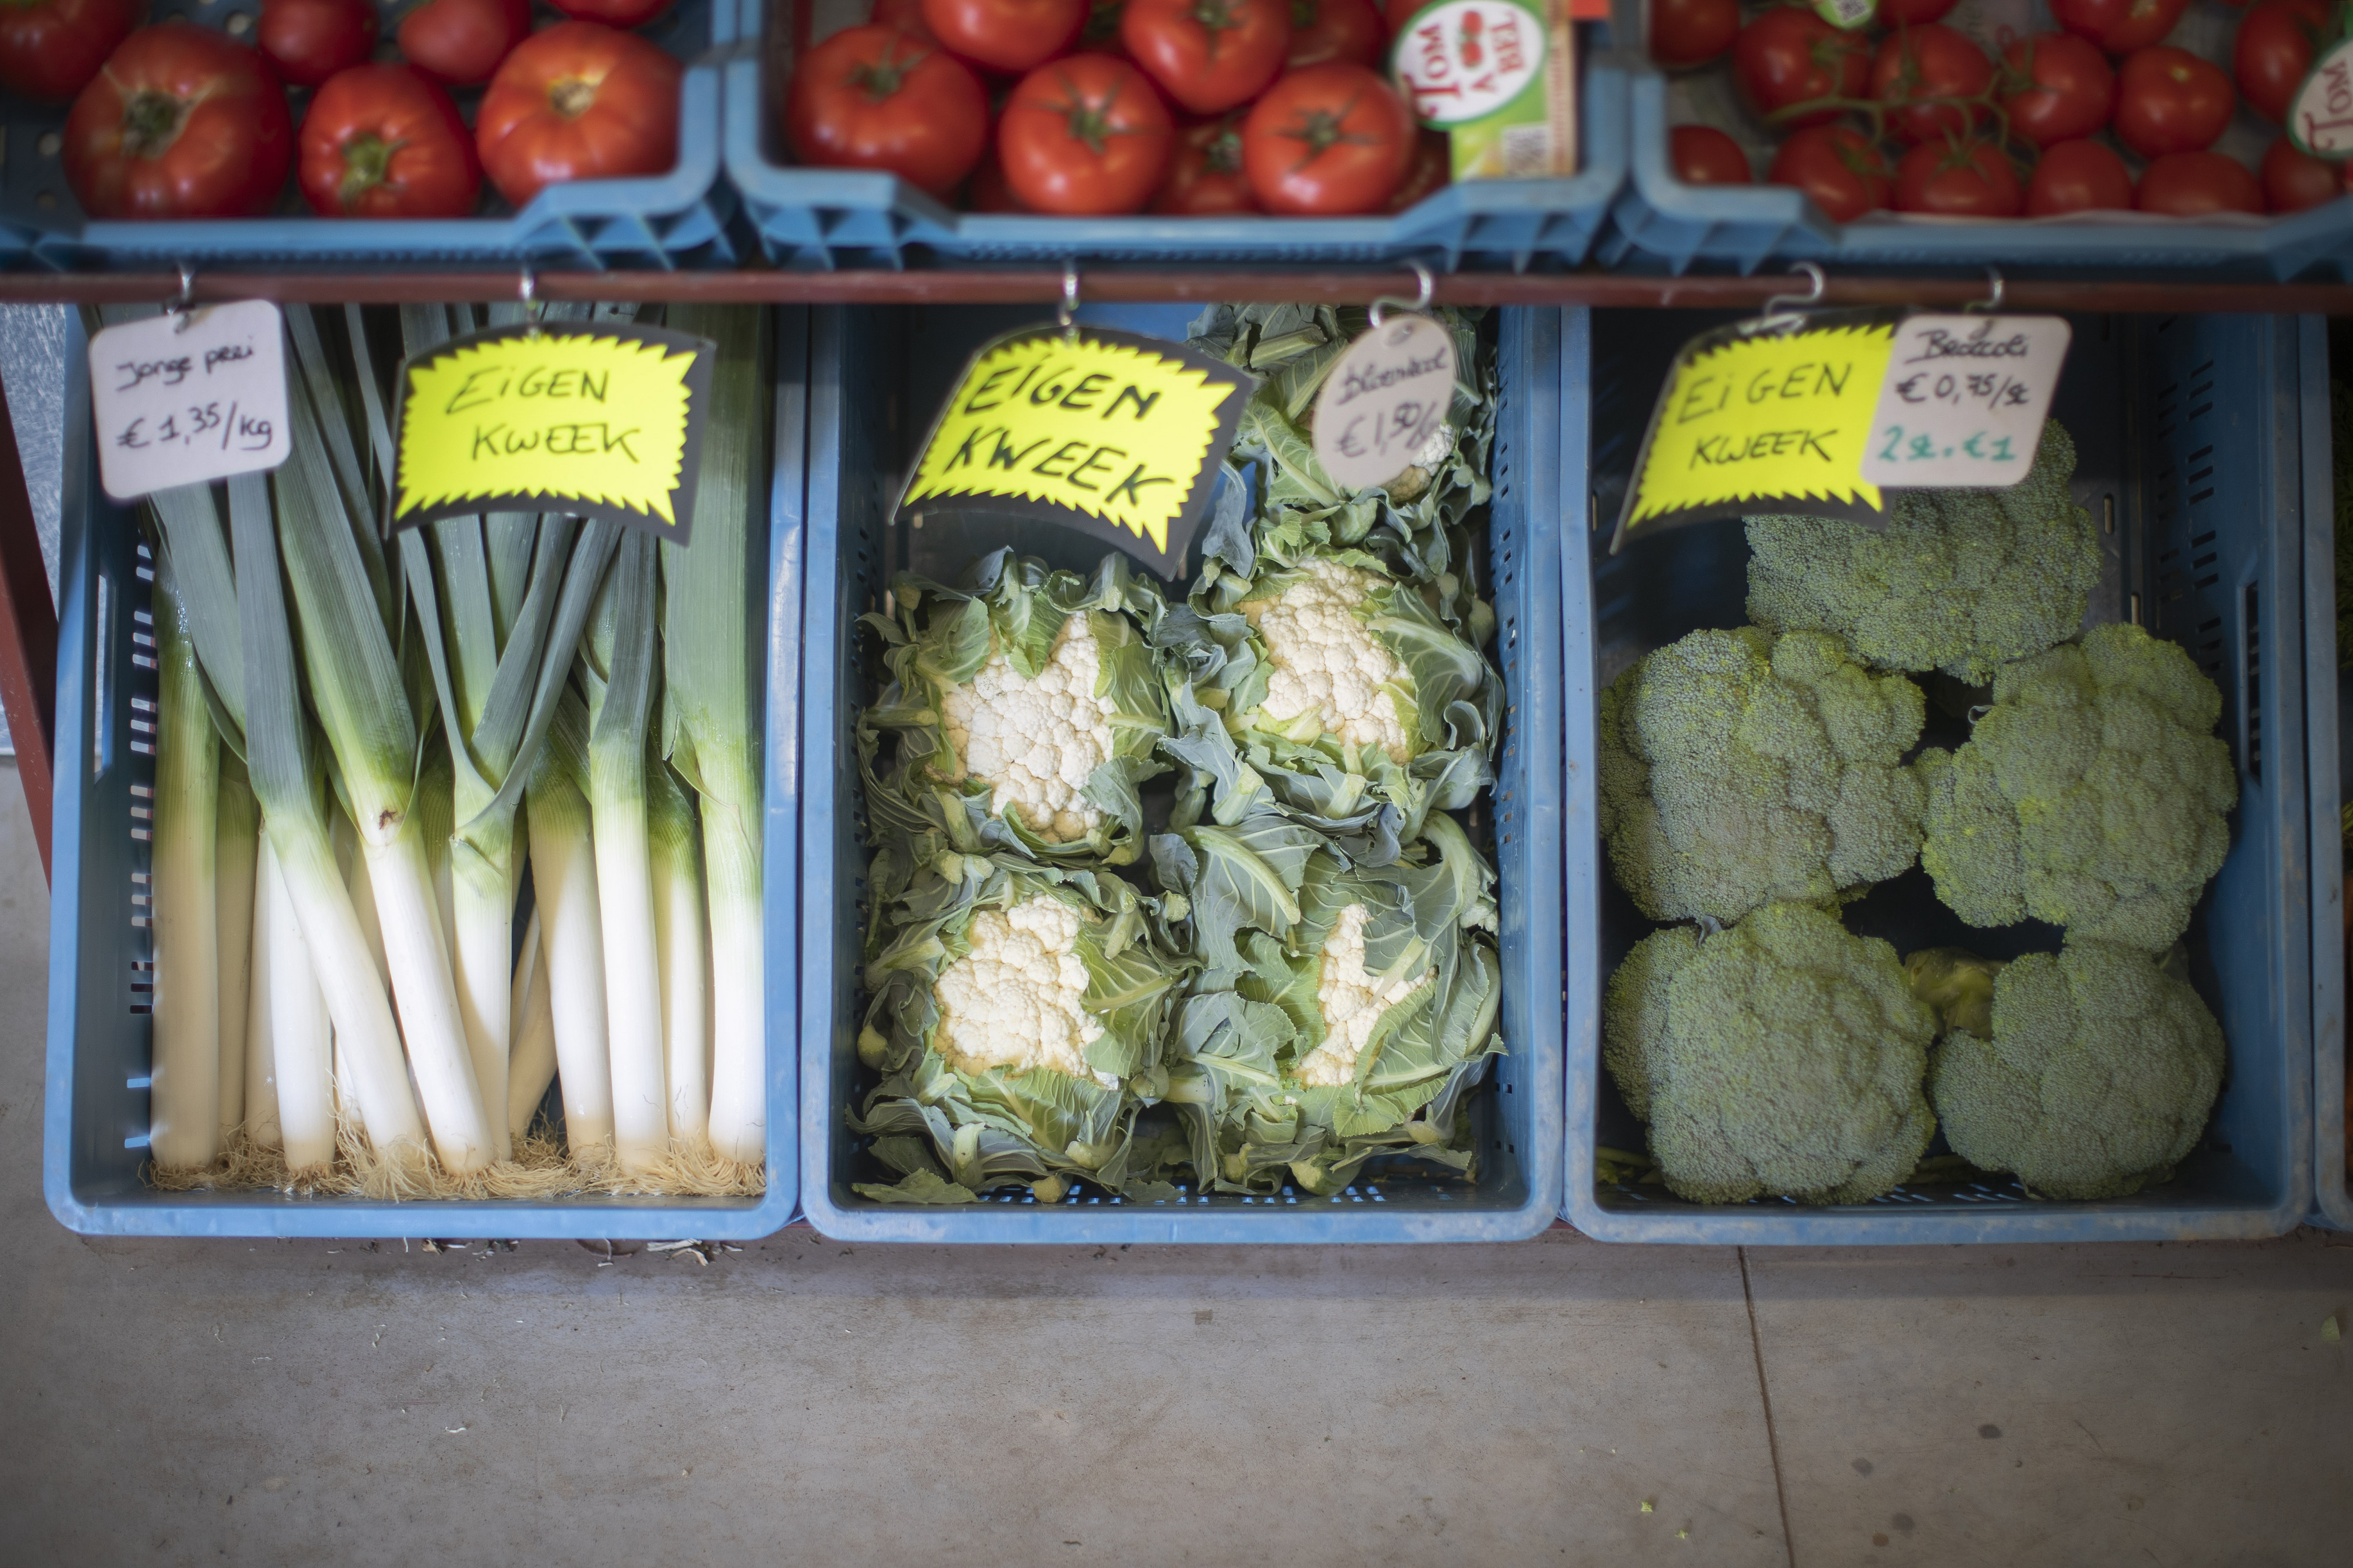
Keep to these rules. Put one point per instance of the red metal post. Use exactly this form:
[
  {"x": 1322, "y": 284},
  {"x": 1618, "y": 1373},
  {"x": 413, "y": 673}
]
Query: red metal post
[{"x": 28, "y": 638}]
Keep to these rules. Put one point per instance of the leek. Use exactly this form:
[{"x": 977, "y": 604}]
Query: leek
[
  {"x": 533, "y": 1067},
  {"x": 260, "y": 1064},
  {"x": 620, "y": 700},
  {"x": 713, "y": 634},
  {"x": 238, "y": 829},
  {"x": 185, "y": 1070},
  {"x": 564, "y": 877},
  {"x": 681, "y": 954},
  {"x": 301, "y": 1077}
]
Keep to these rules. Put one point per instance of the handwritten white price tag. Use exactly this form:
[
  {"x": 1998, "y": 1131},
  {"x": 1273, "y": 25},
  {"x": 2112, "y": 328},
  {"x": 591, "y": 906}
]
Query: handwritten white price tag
[
  {"x": 181, "y": 399},
  {"x": 1964, "y": 401},
  {"x": 1385, "y": 401}
]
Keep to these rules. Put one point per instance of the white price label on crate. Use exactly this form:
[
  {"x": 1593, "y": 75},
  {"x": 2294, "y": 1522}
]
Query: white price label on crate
[
  {"x": 186, "y": 398},
  {"x": 1964, "y": 400},
  {"x": 1385, "y": 401}
]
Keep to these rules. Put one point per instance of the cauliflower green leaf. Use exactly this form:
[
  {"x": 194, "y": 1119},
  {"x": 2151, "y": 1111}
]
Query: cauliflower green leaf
[
  {"x": 1958, "y": 580},
  {"x": 1026, "y": 710},
  {"x": 2092, "y": 793},
  {"x": 1738, "y": 769},
  {"x": 1782, "y": 1057},
  {"x": 2094, "y": 1079}
]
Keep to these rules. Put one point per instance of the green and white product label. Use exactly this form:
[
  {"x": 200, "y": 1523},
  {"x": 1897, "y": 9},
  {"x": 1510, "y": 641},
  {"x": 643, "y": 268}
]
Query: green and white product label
[
  {"x": 1963, "y": 401},
  {"x": 1847, "y": 15},
  {"x": 1498, "y": 76},
  {"x": 2320, "y": 115}
]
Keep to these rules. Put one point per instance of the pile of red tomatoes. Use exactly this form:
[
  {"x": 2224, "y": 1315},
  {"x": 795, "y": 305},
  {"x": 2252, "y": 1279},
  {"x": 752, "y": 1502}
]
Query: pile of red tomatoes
[
  {"x": 1186, "y": 107},
  {"x": 180, "y": 122},
  {"x": 1911, "y": 113}
]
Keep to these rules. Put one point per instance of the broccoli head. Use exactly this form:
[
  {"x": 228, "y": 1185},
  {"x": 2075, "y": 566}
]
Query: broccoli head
[
  {"x": 2095, "y": 1080},
  {"x": 1780, "y": 1057},
  {"x": 2092, "y": 793},
  {"x": 1959, "y": 581},
  {"x": 1738, "y": 769}
]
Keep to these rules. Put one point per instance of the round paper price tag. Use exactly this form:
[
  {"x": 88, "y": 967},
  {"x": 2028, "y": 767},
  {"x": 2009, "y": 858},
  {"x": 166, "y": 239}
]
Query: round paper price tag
[{"x": 1384, "y": 402}]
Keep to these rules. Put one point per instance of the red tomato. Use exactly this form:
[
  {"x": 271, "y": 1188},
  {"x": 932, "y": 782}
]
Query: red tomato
[
  {"x": 579, "y": 102},
  {"x": 461, "y": 42},
  {"x": 1009, "y": 35},
  {"x": 876, "y": 97},
  {"x": 1398, "y": 13},
  {"x": 2274, "y": 52},
  {"x": 1703, "y": 156},
  {"x": 2169, "y": 101},
  {"x": 2198, "y": 184},
  {"x": 1839, "y": 169},
  {"x": 1959, "y": 179},
  {"x": 1431, "y": 171},
  {"x": 1916, "y": 68},
  {"x": 310, "y": 40},
  {"x": 2078, "y": 176},
  {"x": 2119, "y": 27},
  {"x": 1789, "y": 57},
  {"x": 1686, "y": 33},
  {"x": 2294, "y": 180},
  {"x": 380, "y": 141},
  {"x": 181, "y": 121},
  {"x": 1208, "y": 56},
  {"x": 1206, "y": 178},
  {"x": 613, "y": 12},
  {"x": 1911, "y": 13},
  {"x": 2056, "y": 88},
  {"x": 1327, "y": 142},
  {"x": 1084, "y": 135},
  {"x": 50, "y": 48},
  {"x": 1323, "y": 30}
]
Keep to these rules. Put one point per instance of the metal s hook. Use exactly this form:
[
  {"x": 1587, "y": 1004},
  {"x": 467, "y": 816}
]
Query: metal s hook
[
  {"x": 180, "y": 307},
  {"x": 1774, "y": 314},
  {"x": 1426, "y": 287},
  {"x": 1993, "y": 300},
  {"x": 1067, "y": 313},
  {"x": 527, "y": 290}
]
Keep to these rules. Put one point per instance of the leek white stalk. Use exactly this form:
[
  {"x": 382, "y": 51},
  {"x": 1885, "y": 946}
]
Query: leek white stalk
[
  {"x": 184, "y": 911},
  {"x": 713, "y": 636},
  {"x": 681, "y": 952},
  {"x": 363, "y": 709},
  {"x": 533, "y": 1067},
  {"x": 260, "y": 1065},
  {"x": 238, "y": 829},
  {"x": 620, "y": 703},
  {"x": 564, "y": 876},
  {"x": 302, "y": 1077},
  {"x": 318, "y": 910}
]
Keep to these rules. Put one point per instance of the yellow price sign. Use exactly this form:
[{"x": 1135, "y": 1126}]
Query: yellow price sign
[
  {"x": 1116, "y": 435},
  {"x": 1764, "y": 416},
  {"x": 598, "y": 420}
]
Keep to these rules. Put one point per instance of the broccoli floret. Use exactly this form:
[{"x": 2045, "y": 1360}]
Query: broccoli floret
[
  {"x": 1960, "y": 580},
  {"x": 1780, "y": 1057},
  {"x": 2092, "y": 794},
  {"x": 1738, "y": 769},
  {"x": 2097, "y": 1078}
]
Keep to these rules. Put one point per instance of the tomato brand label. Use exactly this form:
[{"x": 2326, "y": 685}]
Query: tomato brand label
[
  {"x": 1113, "y": 434},
  {"x": 1963, "y": 401},
  {"x": 1764, "y": 416},
  {"x": 190, "y": 397},
  {"x": 1384, "y": 401},
  {"x": 1847, "y": 15},
  {"x": 1463, "y": 59},
  {"x": 598, "y": 420},
  {"x": 2320, "y": 116}
]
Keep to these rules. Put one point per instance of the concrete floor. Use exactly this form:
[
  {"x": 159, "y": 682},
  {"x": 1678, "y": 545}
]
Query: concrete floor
[{"x": 260, "y": 1403}]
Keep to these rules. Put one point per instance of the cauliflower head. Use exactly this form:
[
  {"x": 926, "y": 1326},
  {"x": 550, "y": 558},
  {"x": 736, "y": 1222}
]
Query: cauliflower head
[
  {"x": 1959, "y": 581},
  {"x": 1019, "y": 999},
  {"x": 1327, "y": 673},
  {"x": 1739, "y": 769},
  {"x": 2095, "y": 1079},
  {"x": 1782, "y": 1057},
  {"x": 2092, "y": 793},
  {"x": 1035, "y": 741},
  {"x": 1352, "y": 1001}
]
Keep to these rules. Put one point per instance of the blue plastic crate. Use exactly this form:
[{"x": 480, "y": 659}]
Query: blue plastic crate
[
  {"x": 2191, "y": 433},
  {"x": 822, "y": 219},
  {"x": 2327, "y": 696},
  {"x": 875, "y": 377},
  {"x": 1660, "y": 222},
  {"x": 682, "y": 218},
  {"x": 96, "y": 1117}
]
